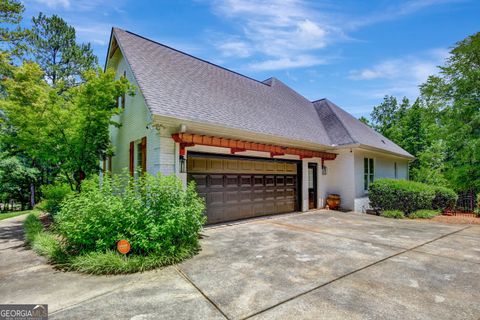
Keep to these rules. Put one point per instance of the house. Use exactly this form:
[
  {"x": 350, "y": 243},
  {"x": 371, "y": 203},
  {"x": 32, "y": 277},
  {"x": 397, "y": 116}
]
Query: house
[{"x": 252, "y": 147}]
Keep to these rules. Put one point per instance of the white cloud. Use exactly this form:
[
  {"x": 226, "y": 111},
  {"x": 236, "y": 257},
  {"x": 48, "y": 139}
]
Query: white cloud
[
  {"x": 54, "y": 4},
  {"x": 278, "y": 31},
  {"x": 416, "y": 68},
  {"x": 286, "y": 63},
  {"x": 285, "y": 33},
  {"x": 399, "y": 76},
  {"x": 235, "y": 49}
]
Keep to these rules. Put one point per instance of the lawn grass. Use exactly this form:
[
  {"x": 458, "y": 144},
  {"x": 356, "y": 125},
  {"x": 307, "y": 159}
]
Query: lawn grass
[
  {"x": 15, "y": 214},
  {"x": 51, "y": 247}
]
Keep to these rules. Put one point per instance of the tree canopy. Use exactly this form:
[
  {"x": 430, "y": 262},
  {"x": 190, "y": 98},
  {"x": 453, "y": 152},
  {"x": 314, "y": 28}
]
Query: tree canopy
[
  {"x": 442, "y": 127},
  {"x": 53, "y": 45}
]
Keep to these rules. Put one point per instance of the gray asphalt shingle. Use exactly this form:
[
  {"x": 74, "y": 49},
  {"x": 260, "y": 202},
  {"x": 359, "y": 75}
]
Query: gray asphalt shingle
[{"x": 182, "y": 86}]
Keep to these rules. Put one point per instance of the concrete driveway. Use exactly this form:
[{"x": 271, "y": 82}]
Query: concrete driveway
[{"x": 317, "y": 265}]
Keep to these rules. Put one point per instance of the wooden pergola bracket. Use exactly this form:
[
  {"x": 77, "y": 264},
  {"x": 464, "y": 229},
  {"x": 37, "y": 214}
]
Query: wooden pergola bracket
[{"x": 188, "y": 140}]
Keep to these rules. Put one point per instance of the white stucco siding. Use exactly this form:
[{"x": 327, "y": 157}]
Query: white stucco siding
[
  {"x": 384, "y": 167},
  {"x": 340, "y": 178},
  {"x": 135, "y": 120}
]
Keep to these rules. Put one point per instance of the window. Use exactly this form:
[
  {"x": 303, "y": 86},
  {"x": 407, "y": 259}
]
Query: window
[
  {"x": 368, "y": 172},
  {"x": 395, "y": 170}
]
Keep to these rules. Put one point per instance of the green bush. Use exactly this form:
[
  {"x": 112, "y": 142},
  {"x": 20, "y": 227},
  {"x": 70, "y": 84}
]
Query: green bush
[
  {"x": 155, "y": 214},
  {"x": 53, "y": 195},
  {"x": 445, "y": 198},
  {"x": 403, "y": 195},
  {"x": 424, "y": 214},
  {"x": 395, "y": 214},
  {"x": 32, "y": 226}
]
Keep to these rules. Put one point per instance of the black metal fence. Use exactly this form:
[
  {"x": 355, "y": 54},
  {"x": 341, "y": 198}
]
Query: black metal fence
[{"x": 466, "y": 201}]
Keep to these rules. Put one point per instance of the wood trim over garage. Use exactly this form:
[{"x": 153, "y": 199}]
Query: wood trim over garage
[{"x": 187, "y": 139}]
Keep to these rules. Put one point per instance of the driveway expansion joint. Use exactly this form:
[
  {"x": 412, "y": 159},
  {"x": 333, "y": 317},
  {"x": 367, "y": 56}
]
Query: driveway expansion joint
[
  {"x": 350, "y": 273},
  {"x": 184, "y": 276}
]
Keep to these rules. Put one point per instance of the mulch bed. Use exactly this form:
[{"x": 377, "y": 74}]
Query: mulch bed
[{"x": 459, "y": 218}]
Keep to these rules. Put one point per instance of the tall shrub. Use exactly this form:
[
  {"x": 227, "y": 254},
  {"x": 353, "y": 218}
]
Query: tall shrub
[
  {"x": 154, "y": 213},
  {"x": 445, "y": 198},
  {"x": 407, "y": 196}
]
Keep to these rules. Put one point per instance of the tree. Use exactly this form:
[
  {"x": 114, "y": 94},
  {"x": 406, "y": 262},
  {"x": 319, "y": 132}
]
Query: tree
[
  {"x": 15, "y": 180},
  {"x": 365, "y": 121},
  {"x": 11, "y": 33},
  {"x": 67, "y": 132},
  {"x": 54, "y": 47},
  {"x": 456, "y": 91}
]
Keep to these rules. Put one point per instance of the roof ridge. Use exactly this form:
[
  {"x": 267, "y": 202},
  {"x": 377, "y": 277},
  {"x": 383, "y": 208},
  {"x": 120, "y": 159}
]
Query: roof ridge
[
  {"x": 329, "y": 103},
  {"x": 325, "y": 103},
  {"x": 191, "y": 56}
]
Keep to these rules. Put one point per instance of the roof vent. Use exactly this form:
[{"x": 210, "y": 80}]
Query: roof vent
[{"x": 383, "y": 141}]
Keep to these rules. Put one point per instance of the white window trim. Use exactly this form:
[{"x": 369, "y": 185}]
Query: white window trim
[{"x": 374, "y": 172}]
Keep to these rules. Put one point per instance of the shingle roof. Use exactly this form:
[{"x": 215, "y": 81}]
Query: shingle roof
[
  {"x": 179, "y": 85},
  {"x": 344, "y": 129}
]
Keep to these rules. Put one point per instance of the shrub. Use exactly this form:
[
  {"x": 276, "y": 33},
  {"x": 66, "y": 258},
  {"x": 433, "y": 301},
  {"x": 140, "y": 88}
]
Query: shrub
[
  {"x": 445, "y": 198},
  {"x": 395, "y": 214},
  {"x": 155, "y": 214},
  {"x": 53, "y": 195},
  {"x": 403, "y": 195},
  {"x": 424, "y": 214},
  {"x": 32, "y": 226}
]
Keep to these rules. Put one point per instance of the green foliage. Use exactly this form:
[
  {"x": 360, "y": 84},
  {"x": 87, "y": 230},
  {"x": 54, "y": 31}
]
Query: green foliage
[
  {"x": 33, "y": 226},
  {"x": 456, "y": 90},
  {"x": 112, "y": 262},
  {"x": 442, "y": 128},
  {"x": 11, "y": 33},
  {"x": 67, "y": 132},
  {"x": 48, "y": 245},
  {"x": 406, "y": 196},
  {"x": 445, "y": 198},
  {"x": 364, "y": 121},
  {"x": 53, "y": 195},
  {"x": 15, "y": 180},
  {"x": 154, "y": 214},
  {"x": 54, "y": 47},
  {"x": 424, "y": 214},
  {"x": 395, "y": 214}
]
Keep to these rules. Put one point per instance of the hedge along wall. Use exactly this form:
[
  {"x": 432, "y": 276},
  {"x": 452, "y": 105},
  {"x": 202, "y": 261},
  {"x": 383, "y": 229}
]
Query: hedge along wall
[{"x": 409, "y": 196}]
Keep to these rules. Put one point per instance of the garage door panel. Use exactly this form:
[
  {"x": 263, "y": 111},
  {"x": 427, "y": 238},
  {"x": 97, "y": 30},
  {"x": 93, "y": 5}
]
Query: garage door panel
[{"x": 250, "y": 192}]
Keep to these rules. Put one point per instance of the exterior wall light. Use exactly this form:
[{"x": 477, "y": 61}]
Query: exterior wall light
[
  {"x": 324, "y": 170},
  {"x": 182, "y": 164}
]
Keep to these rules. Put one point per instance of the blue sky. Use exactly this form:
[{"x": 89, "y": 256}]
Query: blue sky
[{"x": 352, "y": 52}]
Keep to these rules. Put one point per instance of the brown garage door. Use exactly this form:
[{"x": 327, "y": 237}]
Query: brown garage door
[{"x": 238, "y": 188}]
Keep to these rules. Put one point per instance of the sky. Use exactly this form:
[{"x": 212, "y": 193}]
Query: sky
[{"x": 351, "y": 52}]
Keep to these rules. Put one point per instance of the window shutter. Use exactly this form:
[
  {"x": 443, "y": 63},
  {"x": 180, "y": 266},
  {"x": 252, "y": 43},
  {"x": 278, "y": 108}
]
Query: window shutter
[
  {"x": 144, "y": 154},
  {"x": 132, "y": 164},
  {"x": 104, "y": 165},
  {"x": 110, "y": 164}
]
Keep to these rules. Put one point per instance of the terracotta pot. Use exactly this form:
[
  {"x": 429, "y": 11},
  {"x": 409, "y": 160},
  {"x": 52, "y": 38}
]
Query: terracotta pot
[{"x": 333, "y": 201}]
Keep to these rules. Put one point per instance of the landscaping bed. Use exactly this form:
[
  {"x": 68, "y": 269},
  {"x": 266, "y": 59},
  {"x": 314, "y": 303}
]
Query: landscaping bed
[{"x": 158, "y": 217}]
